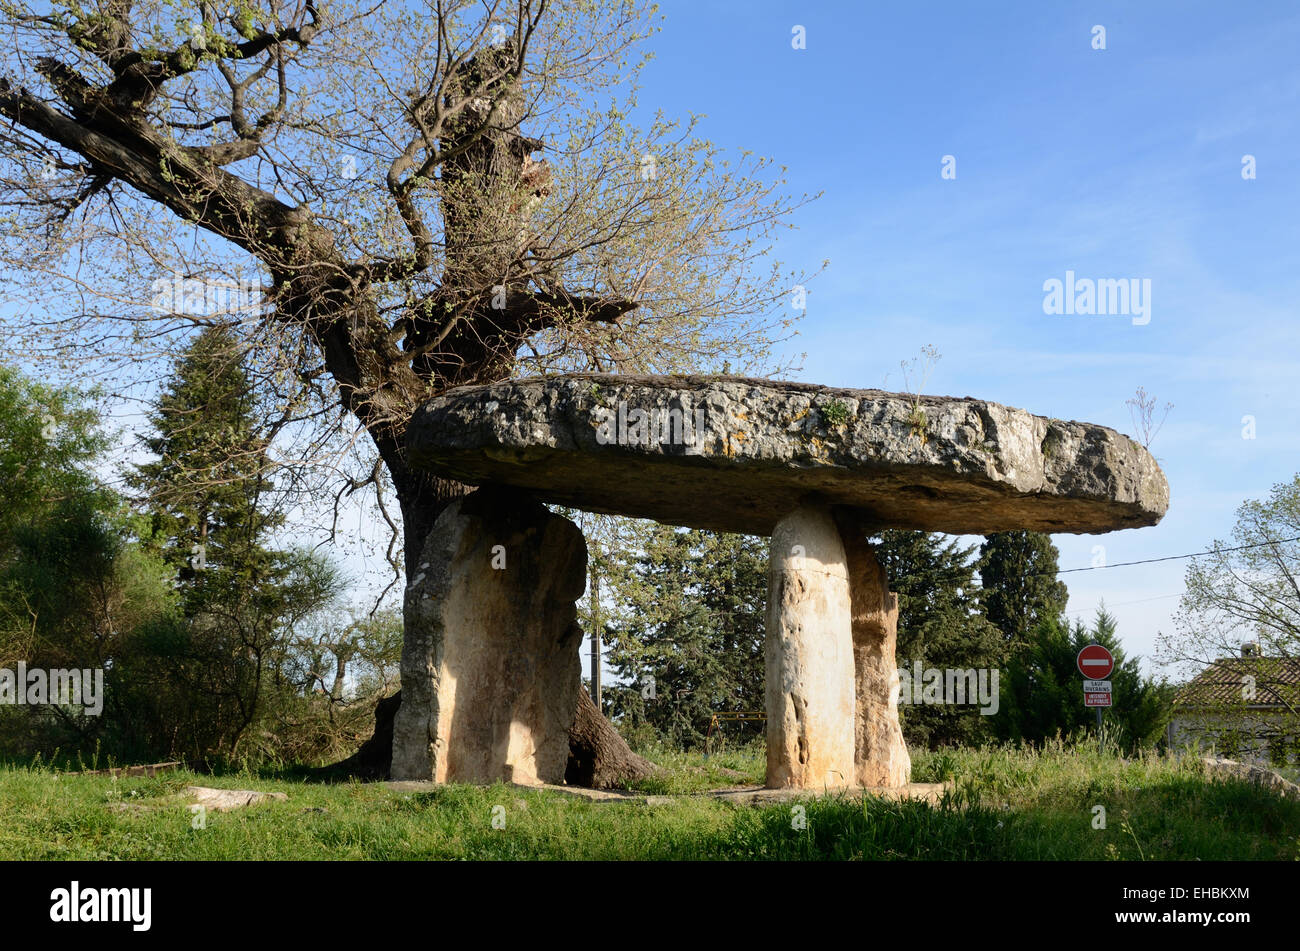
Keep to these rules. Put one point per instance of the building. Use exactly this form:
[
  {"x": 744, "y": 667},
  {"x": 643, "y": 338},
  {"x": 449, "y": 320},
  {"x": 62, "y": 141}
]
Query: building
[{"x": 1247, "y": 708}]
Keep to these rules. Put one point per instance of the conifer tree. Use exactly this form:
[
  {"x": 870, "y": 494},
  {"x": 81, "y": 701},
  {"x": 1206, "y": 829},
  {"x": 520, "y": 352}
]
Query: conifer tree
[
  {"x": 1043, "y": 691},
  {"x": 940, "y": 625},
  {"x": 208, "y": 489},
  {"x": 209, "y": 497},
  {"x": 1020, "y": 588},
  {"x": 690, "y": 640}
]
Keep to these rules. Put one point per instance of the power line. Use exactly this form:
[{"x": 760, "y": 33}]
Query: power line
[
  {"x": 1147, "y": 561},
  {"x": 1159, "y": 597}
]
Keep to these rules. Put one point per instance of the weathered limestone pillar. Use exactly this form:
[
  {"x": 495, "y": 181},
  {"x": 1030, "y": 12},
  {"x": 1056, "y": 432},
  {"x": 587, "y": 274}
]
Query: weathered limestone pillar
[
  {"x": 809, "y": 655},
  {"x": 880, "y": 753},
  {"x": 490, "y": 665}
]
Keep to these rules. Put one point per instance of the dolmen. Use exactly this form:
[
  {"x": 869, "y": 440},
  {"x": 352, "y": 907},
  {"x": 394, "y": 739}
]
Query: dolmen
[{"x": 490, "y": 667}]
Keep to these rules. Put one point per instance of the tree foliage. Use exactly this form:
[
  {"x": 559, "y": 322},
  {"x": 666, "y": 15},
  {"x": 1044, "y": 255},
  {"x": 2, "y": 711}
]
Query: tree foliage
[
  {"x": 1018, "y": 583},
  {"x": 72, "y": 586},
  {"x": 1043, "y": 693},
  {"x": 688, "y": 640},
  {"x": 243, "y": 657},
  {"x": 208, "y": 498},
  {"x": 1246, "y": 589},
  {"x": 381, "y": 200},
  {"x": 208, "y": 488}
]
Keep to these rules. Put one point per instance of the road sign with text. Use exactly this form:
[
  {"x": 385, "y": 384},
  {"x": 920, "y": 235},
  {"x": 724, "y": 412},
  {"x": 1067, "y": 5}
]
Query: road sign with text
[{"x": 1096, "y": 693}]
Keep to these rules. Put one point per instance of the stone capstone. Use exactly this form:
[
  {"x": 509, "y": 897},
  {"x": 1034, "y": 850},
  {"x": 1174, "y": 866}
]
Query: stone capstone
[
  {"x": 490, "y": 666},
  {"x": 736, "y": 454}
]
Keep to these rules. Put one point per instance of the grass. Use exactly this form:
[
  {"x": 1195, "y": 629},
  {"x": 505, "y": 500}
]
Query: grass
[
  {"x": 1008, "y": 804},
  {"x": 686, "y": 773}
]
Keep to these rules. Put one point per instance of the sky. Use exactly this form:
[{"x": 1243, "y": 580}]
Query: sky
[
  {"x": 1122, "y": 162},
  {"x": 1117, "y": 163}
]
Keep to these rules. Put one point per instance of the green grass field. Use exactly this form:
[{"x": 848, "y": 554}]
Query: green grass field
[{"x": 1008, "y": 804}]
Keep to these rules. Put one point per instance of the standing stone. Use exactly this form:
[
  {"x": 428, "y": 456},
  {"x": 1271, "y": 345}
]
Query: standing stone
[
  {"x": 490, "y": 665},
  {"x": 809, "y": 655},
  {"x": 880, "y": 753}
]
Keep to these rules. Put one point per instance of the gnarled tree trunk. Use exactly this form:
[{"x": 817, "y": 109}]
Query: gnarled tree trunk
[{"x": 598, "y": 757}]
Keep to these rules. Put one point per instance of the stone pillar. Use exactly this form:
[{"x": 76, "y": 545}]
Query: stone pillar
[
  {"x": 881, "y": 757},
  {"x": 490, "y": 665},
  {"x": 809, "y": 655}
]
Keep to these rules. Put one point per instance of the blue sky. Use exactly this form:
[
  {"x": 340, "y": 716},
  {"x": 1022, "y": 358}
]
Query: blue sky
[{"x": 1117, "y": 163}]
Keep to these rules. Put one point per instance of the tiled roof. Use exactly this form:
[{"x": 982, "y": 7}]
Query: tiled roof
[{"x": 1277, "y": 683}]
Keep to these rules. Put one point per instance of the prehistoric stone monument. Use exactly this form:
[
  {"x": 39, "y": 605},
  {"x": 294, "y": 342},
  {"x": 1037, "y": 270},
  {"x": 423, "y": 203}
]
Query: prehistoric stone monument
[{"x": 491, "y": 684}]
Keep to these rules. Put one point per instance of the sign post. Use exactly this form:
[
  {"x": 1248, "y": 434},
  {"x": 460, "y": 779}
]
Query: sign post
[{"x": 1096, "y": 663}]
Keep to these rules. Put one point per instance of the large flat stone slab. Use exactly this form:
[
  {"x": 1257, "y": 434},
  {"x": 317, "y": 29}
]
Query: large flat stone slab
[{"x": 738, "y": 454}]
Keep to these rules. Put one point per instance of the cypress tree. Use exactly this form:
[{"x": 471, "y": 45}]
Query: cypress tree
[
  {"x": 941, "y": 626},
  {"x": 207, "y": 489},
  {"x": 1020, "y": 588},
  {"x": 207, "y": 497},
  {"x": 693, "y": 621},
  {"x": 1044, "y": 689}
]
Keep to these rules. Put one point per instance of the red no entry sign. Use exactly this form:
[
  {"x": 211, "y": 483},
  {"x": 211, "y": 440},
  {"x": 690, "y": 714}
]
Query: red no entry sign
[{"x": 1095, "y": 662}]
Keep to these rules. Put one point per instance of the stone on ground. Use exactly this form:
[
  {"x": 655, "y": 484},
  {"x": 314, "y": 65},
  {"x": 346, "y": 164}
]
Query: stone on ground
[
  {"x": 1248, "y": 772},
  {"x": 224, "y": 800}
]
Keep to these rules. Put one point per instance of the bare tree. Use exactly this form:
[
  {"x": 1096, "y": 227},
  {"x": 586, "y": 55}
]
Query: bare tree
[
  {"x": 384, "y": 200},
  {"x": 1142, "y": 408}
]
